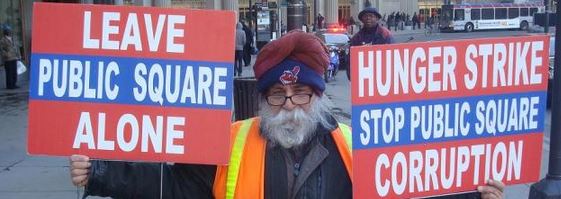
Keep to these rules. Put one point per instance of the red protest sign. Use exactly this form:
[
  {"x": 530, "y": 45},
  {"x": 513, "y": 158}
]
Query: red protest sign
[
  {"x": 443, "y": 117},
  {"x": 131, "y": 83}
]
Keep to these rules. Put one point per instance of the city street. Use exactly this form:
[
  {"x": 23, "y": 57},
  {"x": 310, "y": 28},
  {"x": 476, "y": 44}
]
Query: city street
[{"x": 23, "y": 176}]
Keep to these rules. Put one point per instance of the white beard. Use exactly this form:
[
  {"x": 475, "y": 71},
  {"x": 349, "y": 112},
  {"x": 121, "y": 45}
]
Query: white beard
[{"x": 296, "y": 127}]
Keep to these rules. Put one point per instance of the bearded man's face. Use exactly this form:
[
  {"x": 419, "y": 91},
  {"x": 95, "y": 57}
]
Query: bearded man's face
[{"x": 290, "y": 114}]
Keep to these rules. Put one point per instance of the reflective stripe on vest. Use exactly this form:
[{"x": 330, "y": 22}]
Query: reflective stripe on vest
[
  {"x": 348, "y": 134},
  {"x": 236, "y": 158},
  {"x": 236, "y": 155}
]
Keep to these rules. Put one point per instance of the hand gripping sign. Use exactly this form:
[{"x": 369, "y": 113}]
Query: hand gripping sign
[
  {"x": 442, "y": 117},
  {"x": 131, "y": 83}
]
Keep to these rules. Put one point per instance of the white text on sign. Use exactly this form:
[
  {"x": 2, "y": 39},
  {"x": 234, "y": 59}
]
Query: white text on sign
[{"x": 131, "y": 35}]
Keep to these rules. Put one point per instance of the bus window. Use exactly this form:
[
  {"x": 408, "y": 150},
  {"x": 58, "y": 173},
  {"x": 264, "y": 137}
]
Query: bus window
[
  {"x": 533, "y": 10},
  {"x": 487, "y": 13},
  {"x": 475, "y": 14},
  {"x": 513, "y": 13},
  {"x": 500, "y": 13},
  {"x": 523, "y": 12},
  {"x": 459, "y": 15}
]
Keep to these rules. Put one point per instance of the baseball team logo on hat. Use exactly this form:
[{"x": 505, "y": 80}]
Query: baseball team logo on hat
[{"x": 290, "y": 76}]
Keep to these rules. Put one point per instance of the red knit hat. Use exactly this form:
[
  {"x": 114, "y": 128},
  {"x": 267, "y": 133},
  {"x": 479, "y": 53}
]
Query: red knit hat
[{"x": 295, "y": 45}]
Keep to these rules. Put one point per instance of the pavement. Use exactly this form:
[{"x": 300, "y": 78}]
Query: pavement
[{"x": 23, "y": 176}]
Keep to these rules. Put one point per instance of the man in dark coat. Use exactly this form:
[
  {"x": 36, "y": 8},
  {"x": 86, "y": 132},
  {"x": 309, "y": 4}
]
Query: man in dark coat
[
  {"x": 10, "y": 56},
  {"x": 247, "y": 49}
]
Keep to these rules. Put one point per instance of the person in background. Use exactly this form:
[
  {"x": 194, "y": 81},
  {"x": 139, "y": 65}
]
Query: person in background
[
  {"x": 416, "y": 21},
  {"x": 320, "y": 21},
  {"x": 248, "y": 44},
  {"x": 240, "y": 43},
  {"x": 10, "y": 56},
  {"x": 371, "y": 33}
]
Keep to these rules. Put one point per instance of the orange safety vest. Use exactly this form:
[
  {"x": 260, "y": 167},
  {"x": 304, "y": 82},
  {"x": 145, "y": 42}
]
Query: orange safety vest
[{"x": 244, "y": 176}]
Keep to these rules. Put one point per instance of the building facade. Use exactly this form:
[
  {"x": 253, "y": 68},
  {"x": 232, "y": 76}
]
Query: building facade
[{"x": 18, "y": 13}]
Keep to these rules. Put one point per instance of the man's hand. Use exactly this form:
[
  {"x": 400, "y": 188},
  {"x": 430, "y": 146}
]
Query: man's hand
[
  {"x": 493, "y": 190},
  {"x": 79, "y": 169}
]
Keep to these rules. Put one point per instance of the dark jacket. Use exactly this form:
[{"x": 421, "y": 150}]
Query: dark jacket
[
  {"x": 8, "y": 49},
  {"x": 375, "y": 35},
  {"x": 311, "y": 171}
]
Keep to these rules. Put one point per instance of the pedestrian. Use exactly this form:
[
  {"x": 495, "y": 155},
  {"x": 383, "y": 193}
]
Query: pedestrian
[
  {"x": 10, "y": 55},
  {"x": 371, "y": 33},
  {"x": 320, "y": 21},
  {"x": 248, "y": 44},
  {"x": 391, "y": 19},
  {"x": 240, "y": 43},
  {"x": 397, "y": 21},
  {"x": 414, "y": 20},
  {"x": 352, "y": 23},
  {"x": 294, "y": 149}
]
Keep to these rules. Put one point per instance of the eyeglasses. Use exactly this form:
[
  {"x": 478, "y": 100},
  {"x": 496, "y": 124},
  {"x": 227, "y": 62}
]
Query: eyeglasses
[{"x": 298, "y": 99}]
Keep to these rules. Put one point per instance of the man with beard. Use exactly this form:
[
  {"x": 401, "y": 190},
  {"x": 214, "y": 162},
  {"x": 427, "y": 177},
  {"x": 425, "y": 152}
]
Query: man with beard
[{"x": 294, "y": 149}]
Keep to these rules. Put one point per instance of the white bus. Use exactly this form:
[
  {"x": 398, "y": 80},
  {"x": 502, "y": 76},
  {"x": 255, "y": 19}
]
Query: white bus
[{"x": 470, "y": 17}]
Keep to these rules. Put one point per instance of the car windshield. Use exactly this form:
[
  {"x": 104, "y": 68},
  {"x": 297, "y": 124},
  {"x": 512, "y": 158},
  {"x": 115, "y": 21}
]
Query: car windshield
[{"x": 335, "y": 39}]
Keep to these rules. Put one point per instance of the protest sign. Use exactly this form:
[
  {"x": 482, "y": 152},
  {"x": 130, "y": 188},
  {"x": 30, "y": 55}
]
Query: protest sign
[
  {"x": 131, "y": 83},
  {"x": 442, "y": 117}
]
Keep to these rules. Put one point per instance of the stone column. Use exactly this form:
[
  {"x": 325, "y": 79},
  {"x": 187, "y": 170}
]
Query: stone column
[
  {"x": 321, "y": 8},
  {"x": 331, "y": 12},
  {"x": 356, "y": 7},
  {"x": 162, "y": 3},
  {"x": 147, "y": 3},
  {"x": 214, "y": 4},
  {"x": 231, "y": 5}
]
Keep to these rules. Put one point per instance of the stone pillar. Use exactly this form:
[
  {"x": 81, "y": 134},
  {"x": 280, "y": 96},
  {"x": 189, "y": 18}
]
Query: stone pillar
[
  {"x": 146, "y": 3},
  {"x": 162, "y": 3},
  {"x": 331, "y": 12},
  {"x": 231, "y": 5},
  {"x": 321, "y": 8},
  {"x": 295, "y": 15},
  {"x": 356, "y": 7},
  {"x": 26, "y": 30},
  {"x": 214, "y": 4}
]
